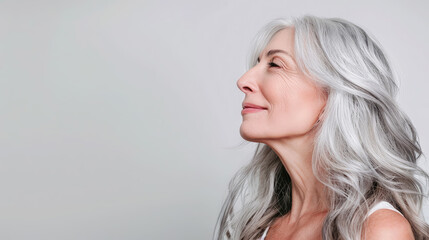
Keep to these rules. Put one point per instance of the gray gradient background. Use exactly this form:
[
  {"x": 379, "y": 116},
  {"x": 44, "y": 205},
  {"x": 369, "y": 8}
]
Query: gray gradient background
[{"x": 119, "y": 119}]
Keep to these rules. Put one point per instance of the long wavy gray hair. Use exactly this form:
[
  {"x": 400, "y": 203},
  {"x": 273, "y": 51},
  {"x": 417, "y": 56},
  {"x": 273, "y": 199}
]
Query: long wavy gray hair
[{"x": 365, "y": 147}]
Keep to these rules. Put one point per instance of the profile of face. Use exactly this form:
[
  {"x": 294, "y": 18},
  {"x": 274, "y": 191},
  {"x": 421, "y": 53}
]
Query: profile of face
[{"x": 280, "y": 101}]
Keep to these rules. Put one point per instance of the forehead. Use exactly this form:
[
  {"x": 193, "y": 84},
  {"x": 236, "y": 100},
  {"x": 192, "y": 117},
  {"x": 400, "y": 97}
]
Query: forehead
[{"x": 283, "y": 39}]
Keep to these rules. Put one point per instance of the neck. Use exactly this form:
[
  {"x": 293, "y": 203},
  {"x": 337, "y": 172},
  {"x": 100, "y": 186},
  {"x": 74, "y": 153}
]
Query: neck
[{"x": 307, "y": 192}]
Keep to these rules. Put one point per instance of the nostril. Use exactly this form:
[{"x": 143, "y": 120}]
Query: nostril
[{"x": 247, "y": 88}]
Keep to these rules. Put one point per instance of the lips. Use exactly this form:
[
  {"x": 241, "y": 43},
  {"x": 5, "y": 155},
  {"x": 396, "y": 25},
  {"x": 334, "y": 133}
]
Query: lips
[
  {"x": 251, "y": 108},
  {"x": 250, "y": 105}
]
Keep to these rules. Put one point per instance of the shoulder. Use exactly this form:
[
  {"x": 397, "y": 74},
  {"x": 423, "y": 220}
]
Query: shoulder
[{"x": 387, "y": 224}]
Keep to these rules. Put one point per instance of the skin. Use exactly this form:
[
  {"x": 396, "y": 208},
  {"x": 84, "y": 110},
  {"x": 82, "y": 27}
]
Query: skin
[
  {"x": 293, "y": 104},
  {"x": 387, "y": 224}
]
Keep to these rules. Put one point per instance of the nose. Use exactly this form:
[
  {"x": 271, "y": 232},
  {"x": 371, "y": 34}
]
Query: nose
[{"x": 247, "y": 83}]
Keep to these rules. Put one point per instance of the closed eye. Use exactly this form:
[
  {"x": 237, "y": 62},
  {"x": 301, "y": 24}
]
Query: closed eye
[{"x": 272, "y": 64}]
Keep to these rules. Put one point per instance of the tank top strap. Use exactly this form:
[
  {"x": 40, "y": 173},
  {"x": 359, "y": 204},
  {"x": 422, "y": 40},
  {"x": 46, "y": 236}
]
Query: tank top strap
[
  {"x": 382, "y": 205},
  {"x": 265, "y": 233}
]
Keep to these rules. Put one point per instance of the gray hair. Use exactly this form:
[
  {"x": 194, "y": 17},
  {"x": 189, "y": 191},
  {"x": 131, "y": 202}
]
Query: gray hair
[{"x": 366, "y": 148}]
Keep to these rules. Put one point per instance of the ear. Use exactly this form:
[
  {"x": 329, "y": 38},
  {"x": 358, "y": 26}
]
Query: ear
[
  {"x": 321, "y": 114},
  {"x": 324, "y": 99}
]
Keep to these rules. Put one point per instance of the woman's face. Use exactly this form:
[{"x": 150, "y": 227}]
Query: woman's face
[{"x": 290, "y": 103}]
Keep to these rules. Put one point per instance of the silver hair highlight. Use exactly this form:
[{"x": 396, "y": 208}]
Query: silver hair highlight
[{"x": 366, "y": 148}]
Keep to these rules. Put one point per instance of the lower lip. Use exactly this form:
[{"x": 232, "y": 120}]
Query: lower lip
[{"x": 251, "y": 110}]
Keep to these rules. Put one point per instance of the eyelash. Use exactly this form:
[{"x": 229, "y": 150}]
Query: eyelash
[{"x": 272, "y": 64}]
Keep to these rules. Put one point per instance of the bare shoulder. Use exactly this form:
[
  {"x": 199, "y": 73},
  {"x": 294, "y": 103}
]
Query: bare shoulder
[{"x": 387, "y": 224}]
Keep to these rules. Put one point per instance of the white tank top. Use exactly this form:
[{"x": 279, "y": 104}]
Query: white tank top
[{"x": 378, "y": 206}]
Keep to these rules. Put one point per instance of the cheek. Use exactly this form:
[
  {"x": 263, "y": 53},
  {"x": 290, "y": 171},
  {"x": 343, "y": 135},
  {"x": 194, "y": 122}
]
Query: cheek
[
  {"x": 297, "y": 110},
  {"x": 291, "y": 96}
]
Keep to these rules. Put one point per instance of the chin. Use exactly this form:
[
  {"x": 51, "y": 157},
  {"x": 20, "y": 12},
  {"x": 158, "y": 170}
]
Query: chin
[{"x": 250, "y": 135}]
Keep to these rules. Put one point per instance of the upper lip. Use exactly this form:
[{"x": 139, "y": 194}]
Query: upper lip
[{"x": 250, "y": 105}]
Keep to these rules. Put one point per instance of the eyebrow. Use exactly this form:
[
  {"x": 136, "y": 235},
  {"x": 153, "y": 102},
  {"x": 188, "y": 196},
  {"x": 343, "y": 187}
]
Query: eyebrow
[{"x": 274, "y": 51}]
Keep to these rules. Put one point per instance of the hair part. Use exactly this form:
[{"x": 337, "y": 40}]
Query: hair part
[{"x": 366, "y": 148}]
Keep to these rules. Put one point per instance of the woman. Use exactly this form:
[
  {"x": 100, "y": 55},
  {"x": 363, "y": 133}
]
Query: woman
[{"x": 336, "y": 157}]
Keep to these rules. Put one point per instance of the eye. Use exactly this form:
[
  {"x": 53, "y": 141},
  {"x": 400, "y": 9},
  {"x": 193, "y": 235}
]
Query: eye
[{"x": 272, "y": 64}]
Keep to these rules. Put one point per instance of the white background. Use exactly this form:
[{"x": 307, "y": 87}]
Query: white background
[{"x": 119, "y": 118}]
